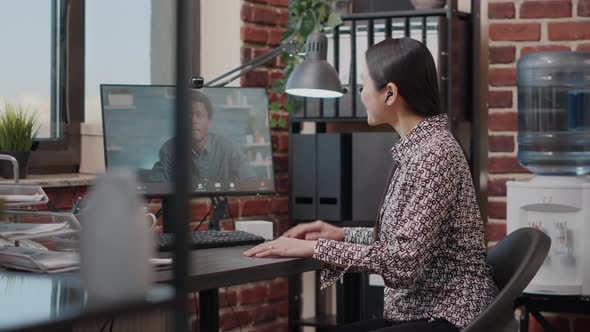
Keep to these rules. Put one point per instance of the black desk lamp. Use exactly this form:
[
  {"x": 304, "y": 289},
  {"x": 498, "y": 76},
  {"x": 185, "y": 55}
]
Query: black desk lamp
[{"x": 314, "y": 77}]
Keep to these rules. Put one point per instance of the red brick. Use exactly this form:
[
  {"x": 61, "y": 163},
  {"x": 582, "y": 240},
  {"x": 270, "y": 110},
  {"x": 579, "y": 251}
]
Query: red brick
[
  {"x": 569, "y": 30},
  {"x": 199, "y": 209},
  {"x": 497, "y": 187},
  {"x": 501, "y": 10},
  {"x": 283, "y": 308},
  {"x": 229, "y": 320},
  {"x": 546, "y": 9},
  {"x": 228, "y": 298},
  {"x": 253, "y": 34},
  {"x": 279, "y": 290},
  {"x": 61, "y": 198},
  {"x": 259, "y": 1},
  {"x": 193, "y": 303},
  {"x": 502, "y": 76},
  {"x": 543, "y": 48},
  {"x": 275, "y": 75},
  {"x": 252, "y": 295},
  {"x": 282, "y": 184},
  {"x": 254, "y": 207},
  {"x": 583, "y": 48},
  {"x": 515, "y": 31},
  {"x": 558, "y": 323},
  {"x": 275, "y": 36},
  {"x": 80, "y": 192},
  {"x": 497, "y": 210},
  {"x": 283, "y": 17},
  {"x": 280, "y": 225},
  {"x": 581, "y": 324},
  {"x": 260, "y": 51},
  {"x": 280, "y": 204},
  {"x": 154, "y": 201},
  {"x": 503, "y": 121},
  {"x": 264, "y": 15},
  {"x": 264, "y": 314},
  {"x": 280, "y": 98},
  {"x": 257, "y": 78},
  {"x": 281, "y": 162},
  {"x": 234, "y": 208},
  {"x": 245, "y": 54},
  {"x": 283, "y": 144},
  {"x": 501, "y": 143},
  {"x": 584, "y": 10},
  {"x": 246, "y": 12},
  {"x": 503, "y": 165},
  {"x": 500, "y": 99},
  {"x": 495, "y": 232},
  {"x": 280, "y": 3},
  {"x": 278, "y": 116},
  {"x": 502, "y": 54}
]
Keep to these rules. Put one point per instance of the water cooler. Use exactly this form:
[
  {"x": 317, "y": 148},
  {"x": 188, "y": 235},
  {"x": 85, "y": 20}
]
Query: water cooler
[{"x": 554, "y": 144}]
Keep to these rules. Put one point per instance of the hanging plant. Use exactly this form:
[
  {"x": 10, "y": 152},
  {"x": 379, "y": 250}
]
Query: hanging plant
[{"x": 305, "y": 17}]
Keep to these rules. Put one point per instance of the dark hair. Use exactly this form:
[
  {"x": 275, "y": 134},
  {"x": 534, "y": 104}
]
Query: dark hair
[
  {"x": 408, "y": 64},
  {"x": 197, "y": 96}
]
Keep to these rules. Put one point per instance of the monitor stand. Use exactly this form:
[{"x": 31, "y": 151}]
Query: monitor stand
[{"x": 219, "y": 205}]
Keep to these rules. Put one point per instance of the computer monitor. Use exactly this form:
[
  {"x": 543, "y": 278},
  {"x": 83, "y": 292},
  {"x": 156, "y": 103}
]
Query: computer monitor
[{"x": 230, "y": 138}]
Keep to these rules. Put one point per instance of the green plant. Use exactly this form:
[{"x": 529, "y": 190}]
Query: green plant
[
  {"x": 18, "y": 128},
  {"x": 305, "y": 17}
]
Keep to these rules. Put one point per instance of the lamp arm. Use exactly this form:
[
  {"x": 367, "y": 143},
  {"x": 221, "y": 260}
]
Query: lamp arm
[{"x": 287, "y": 47}]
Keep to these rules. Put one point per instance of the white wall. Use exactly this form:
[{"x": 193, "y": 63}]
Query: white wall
[{"x": 220, "y": 37}]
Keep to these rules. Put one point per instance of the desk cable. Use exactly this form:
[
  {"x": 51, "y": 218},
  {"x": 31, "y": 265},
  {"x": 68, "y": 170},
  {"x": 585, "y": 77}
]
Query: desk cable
[
  {"x": 205, "y": 217},
  {"x": 104, "y": 326}
]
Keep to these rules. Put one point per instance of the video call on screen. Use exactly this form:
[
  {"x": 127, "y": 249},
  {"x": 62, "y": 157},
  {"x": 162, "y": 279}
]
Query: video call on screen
[{"x": 230, "y": 137}]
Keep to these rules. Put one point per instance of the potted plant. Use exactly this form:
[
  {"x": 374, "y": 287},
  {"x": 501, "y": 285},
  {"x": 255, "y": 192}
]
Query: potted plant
[
  {"x": 305, "y": 17},
  {"x": 18, "y": 129}
]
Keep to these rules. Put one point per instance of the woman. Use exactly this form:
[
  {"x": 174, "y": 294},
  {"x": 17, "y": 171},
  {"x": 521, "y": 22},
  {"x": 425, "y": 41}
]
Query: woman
[{"x": 428, "y": 242}]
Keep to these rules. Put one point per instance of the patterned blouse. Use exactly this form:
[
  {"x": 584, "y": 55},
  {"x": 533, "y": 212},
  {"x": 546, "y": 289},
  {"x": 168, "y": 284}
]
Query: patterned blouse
[{"x": 428, "y": 245}]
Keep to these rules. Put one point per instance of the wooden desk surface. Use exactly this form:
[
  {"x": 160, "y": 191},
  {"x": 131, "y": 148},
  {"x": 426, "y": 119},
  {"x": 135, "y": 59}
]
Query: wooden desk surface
[
  {"x": 29, "y": 299},
  {"x": 220, "y": 267}
]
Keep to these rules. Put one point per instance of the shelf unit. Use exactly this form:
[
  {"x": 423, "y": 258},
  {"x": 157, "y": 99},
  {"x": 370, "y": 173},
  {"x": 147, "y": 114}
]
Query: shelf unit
[{"x": 458, "y": 68}]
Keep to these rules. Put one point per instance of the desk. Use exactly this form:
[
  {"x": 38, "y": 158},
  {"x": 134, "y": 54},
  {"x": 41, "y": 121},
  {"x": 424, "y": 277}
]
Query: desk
[
  {"x": 535, "y": 304},
  {"x": 53, "y": 302},
  {"x": 221, "y": 267}
]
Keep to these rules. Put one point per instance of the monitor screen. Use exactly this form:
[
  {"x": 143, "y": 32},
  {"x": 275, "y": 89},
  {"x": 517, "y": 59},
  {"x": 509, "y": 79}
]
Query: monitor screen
[{"x": 230, "y": 138}]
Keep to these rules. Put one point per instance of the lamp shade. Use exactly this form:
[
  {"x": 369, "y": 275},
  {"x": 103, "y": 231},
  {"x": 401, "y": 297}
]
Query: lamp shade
[{"x": 315, "y": 77}]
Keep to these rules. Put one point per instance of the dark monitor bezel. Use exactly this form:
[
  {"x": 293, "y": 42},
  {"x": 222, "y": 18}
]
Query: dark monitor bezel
[{"x": 271, "y": 191}]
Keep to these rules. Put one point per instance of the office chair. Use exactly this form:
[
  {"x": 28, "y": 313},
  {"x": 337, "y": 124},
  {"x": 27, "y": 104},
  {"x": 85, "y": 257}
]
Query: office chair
[{"x": 515, "y": 261}]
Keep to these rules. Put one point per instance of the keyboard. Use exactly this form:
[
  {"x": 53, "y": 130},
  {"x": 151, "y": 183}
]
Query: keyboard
[{"x": 212, "y": 239}]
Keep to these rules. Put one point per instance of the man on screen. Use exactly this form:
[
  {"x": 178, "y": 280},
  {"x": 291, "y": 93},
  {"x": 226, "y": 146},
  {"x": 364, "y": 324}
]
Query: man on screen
[{"x": 214, "y": 157}]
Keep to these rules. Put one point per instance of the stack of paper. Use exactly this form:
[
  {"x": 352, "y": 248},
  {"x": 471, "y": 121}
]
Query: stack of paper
[
  {"x": 15, "y": 231},
  {"x": 38, "y": 260}
]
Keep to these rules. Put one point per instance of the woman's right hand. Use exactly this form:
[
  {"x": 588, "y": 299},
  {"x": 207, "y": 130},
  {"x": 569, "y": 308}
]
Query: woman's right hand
[{"x": 316, "y": 230}]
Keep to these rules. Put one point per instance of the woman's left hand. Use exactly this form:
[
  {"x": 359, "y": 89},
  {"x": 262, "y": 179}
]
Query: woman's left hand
[{"x": 283, "y": 247}]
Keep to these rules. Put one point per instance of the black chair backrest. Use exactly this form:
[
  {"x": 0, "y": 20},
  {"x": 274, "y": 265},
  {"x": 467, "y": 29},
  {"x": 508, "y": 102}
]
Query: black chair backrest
[{"x": 515, "y": 260}]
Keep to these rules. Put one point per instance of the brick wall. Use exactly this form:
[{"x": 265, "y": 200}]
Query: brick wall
[{"x": 515, "y": 29}]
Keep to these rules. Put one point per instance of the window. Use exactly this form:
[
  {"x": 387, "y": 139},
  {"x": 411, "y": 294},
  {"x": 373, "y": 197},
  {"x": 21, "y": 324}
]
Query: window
[
  {"x": 31, "y": 68},
  {"x": 127, "y": 42}
]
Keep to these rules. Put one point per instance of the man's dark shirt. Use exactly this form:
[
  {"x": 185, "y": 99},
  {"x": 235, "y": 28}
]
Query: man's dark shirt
[{"x": 220, "y": 160}]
